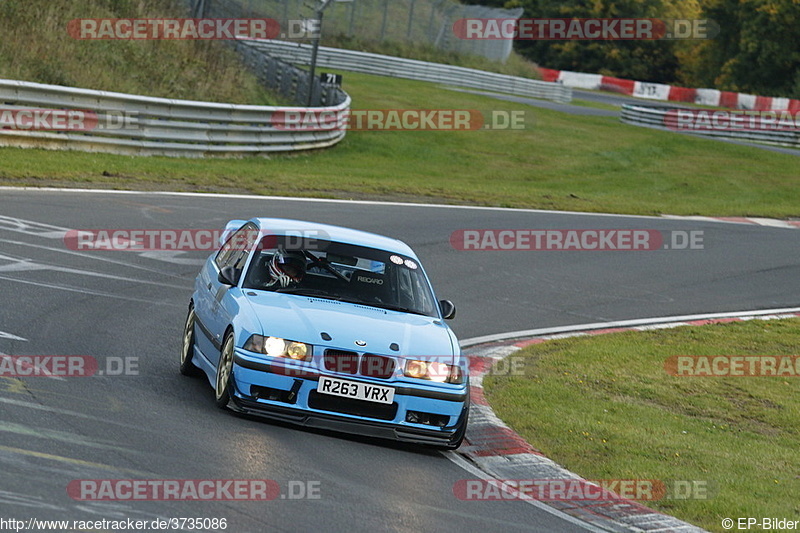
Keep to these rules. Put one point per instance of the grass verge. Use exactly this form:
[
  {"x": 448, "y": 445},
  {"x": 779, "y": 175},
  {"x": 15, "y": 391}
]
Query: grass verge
[
  {"x": 36, "y": 47},
  {"x": 558, "y": 161},
  {"x": 605, "y": 408}
]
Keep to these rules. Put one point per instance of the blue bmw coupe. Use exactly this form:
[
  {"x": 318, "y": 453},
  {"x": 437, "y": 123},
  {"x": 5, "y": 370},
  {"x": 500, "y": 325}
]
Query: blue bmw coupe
[{"x": 327, "y": 327}]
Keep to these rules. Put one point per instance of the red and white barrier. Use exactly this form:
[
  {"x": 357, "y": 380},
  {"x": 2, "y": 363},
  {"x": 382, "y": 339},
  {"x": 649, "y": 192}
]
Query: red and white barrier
[
  {"x": 660, "y": 91},
  {"x": 579, "y": 80}
]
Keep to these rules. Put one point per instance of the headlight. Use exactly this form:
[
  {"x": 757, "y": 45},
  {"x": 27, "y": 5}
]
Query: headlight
[
  {"x": 416, "y": 369},
  {"x": 298, "y": 350},
  {"x": 433, "y": 371},
  {"x": 277, "y": 347}
]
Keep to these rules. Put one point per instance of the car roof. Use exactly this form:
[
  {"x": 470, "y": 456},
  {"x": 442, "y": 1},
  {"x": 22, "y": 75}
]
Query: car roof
[{"x": 280, "y": 226}]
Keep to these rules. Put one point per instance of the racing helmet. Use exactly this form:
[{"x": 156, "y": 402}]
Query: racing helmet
[{"x": 287, "y": 266}]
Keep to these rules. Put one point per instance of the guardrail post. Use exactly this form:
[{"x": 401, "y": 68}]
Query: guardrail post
[
  {"x": 352, "y": 18},
  {"x": 410, "y": 20},
  {"x": 319, "y": 12},
  {"x": 200, "y": 9},
  {"x": 383, "y": 23}
]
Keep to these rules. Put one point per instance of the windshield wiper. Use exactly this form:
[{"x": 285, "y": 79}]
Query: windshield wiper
[
  {"x": 326, "y": 265},
  {"x": 398, "y": 308},
  {"x": 304, "y": 292}
]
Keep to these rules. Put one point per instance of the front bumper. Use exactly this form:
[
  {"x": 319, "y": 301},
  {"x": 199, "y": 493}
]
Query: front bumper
[{"x": 268, "y": 390}]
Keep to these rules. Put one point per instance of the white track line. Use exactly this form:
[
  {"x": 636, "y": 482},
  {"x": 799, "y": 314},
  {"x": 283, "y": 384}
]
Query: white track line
[
  {"x": 500, "y": 337},
  {"x": 4, "y": 335},
  {"x": 747, "y": 221},
  {"x": 480, "y": 474}
]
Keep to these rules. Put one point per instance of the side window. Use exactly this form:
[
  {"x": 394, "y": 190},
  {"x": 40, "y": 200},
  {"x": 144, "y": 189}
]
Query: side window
[
  {"x": 405, "y": 289},
  {"x": 235, "y": 250},
  {"x": 412, "y": 291},
  {"x": 423, "y": 299}
]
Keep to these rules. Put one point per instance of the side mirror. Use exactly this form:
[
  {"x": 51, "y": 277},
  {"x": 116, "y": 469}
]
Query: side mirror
[
  {"x": 448, "y": 309},
  {"x": 227, "y": 276}
]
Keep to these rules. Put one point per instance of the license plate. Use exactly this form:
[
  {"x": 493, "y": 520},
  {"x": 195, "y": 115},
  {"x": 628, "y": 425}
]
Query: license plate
[{"x": 355, "y": 390}]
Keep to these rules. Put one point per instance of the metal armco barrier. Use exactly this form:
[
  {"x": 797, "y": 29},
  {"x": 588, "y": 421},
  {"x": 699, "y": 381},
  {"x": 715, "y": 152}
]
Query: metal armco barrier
[
  {"x": 368, "y": 63},
  {"x": 141, "y": 125},
  {"x": 666, "y": 118}
]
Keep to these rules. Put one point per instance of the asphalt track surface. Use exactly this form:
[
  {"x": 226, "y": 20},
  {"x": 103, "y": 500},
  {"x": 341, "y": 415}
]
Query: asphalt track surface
[{"x": 161, "y": 425}]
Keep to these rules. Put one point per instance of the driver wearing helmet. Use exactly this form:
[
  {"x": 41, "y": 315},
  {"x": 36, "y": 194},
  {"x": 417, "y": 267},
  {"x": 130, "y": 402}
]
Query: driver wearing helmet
[{"x": 286, "y": 267}]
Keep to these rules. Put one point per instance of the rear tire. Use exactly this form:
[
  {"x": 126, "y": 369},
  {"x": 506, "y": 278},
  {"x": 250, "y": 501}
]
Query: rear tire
[
  {"x": 224, "y": 378},
  {"x": 187, "y": 368}
]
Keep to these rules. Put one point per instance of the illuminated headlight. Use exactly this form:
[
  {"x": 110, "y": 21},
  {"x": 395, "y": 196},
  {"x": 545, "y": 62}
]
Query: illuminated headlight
[
  {"x": 277, "y": 347},
  {"x": 433, "y": 371}
]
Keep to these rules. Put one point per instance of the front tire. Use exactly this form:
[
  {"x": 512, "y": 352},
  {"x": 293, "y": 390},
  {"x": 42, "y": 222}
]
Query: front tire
[
  {"x": 458, "y": 438},
  {"x": 187, "y": 368},
  {"x": 224, "y": 378}
]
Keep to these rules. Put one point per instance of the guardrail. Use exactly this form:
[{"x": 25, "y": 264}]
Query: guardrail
[
  {"x": 667, "y": 118},
  {"x": 368, "y": 63},
  {"x": 141, "y": 125},
  {"x": 287, "y": 80}
]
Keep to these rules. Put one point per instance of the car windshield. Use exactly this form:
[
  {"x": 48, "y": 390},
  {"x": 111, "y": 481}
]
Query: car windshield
[{"x": 345, "y": 272}]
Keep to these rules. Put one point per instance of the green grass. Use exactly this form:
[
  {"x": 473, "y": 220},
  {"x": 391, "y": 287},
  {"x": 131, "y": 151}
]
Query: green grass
[
  {"x": 35, "y": 46},
  {"x": 605, "y": 408},
  {"x": 558, "y": 162}
]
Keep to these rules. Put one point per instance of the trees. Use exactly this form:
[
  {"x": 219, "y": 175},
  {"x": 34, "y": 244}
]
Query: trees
[
  {"x": 642, "y": 60},
  {"x": 757, "y": 49}
]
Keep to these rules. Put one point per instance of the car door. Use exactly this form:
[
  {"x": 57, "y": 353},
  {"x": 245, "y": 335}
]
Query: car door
[{"x": 211, "y": 311}]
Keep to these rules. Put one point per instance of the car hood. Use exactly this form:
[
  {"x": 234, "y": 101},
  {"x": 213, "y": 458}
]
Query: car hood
[{"x": 304, "y": 319}]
